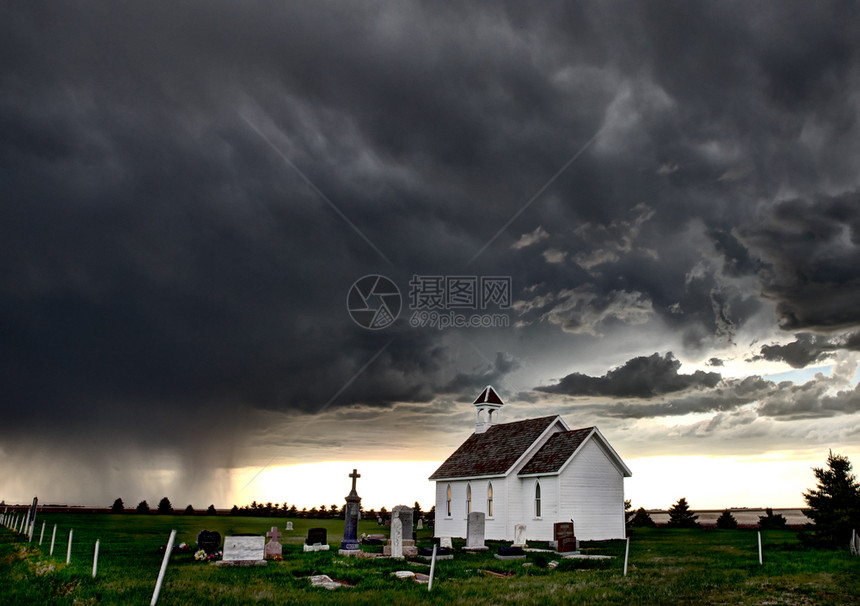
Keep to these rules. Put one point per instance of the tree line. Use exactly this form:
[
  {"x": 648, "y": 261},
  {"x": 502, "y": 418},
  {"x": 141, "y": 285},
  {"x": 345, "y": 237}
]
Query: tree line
[
  {"x": 833, "y": 506},
  {"x": 269, "y": 510}
]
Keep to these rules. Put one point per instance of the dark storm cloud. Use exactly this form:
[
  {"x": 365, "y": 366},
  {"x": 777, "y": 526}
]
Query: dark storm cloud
[
  {"x": 641, "y": 377},
  {"x": 163, "y": 263},
  {"x": 809, "y": 250}
]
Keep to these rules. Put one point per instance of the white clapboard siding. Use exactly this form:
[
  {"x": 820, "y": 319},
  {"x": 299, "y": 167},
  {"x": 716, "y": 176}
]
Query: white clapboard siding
[{"x": 593, "y": 494}]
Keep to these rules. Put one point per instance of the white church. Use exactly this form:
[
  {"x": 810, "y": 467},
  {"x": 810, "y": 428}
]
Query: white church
[{"x": 535, "y": 472}]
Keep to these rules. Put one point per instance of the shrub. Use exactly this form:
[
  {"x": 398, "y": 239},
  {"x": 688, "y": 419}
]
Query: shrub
[
  {"x": 769, "y": 521},
  {"x": 834, "y": 505},
  {"x": 727, "y": 520},
  {"x": 680, "y": 515},
  {"x": 641, "y": 518}
]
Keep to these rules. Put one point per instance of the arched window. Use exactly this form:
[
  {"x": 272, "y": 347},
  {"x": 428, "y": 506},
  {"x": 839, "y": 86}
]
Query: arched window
[
  {"x": 490, "y": 500},
  {"x": 448, "y": 501},
  {"x": 537, "y": 498},
  {"x": 468, "y": 499}
]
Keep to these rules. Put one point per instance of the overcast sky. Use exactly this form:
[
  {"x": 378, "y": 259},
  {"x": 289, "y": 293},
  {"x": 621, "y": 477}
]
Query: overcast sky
[{"x": 190, "y": 190}]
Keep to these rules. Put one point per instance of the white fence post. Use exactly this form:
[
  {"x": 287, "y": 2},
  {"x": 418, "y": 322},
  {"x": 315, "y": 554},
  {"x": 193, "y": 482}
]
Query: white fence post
[
  {"x": 161, "y": 572},
  {"x": 42, "y": 534},
  {"x": 96, "y": 559},
  {"x": 69, "y": 550},
  {"x": 53, "y": 538},
  {"x": 759, "y": 547},
  {"x": 432, "y": 568},
  {"x": 626, "y": 555}
]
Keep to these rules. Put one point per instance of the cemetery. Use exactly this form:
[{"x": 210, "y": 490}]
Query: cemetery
[{"x": 665, "y": 565}]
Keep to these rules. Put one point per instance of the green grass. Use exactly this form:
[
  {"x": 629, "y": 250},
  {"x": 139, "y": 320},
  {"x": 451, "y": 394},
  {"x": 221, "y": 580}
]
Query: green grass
[{"x": 666, "y": 567}]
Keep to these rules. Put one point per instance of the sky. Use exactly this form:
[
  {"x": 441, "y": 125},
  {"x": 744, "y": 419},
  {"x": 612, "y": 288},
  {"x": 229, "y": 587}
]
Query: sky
[{"x": 639, "y": 216}]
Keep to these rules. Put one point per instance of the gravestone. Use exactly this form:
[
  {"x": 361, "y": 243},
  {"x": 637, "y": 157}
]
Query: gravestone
[
  {"x": 420, "y": 524},
  {"x": 350, "y": 544},
  {"x": 209, "y": 541},
  {"x": 405, "y": 514},
  {"x": 316, "y": 540},
  {"x": 565, "y": 539},
  {"x": 445, "y": 542},
  {"x": 475, "y": 531},
  {"x": 274, "y": 547},
  {"x": 519, "y": 535},
  {"x": 396, "y": 538},
  {"x": 242, "y": 550},
  {"x": 289, "y": 526}
]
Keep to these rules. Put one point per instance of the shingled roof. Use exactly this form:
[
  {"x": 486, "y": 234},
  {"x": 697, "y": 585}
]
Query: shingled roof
[
  {"x": 494, "y": 451},
  {"x": 557, "y": 450}
]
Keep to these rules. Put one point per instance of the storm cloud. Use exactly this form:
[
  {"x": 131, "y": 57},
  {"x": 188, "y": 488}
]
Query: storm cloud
[{"x": 190, "y": 191}]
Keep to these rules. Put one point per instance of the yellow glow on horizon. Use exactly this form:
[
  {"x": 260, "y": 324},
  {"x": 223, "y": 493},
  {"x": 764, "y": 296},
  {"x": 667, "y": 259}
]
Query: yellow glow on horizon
[
  {"x": 775, "y": 479},
  {"x": 382, "y": 484}
]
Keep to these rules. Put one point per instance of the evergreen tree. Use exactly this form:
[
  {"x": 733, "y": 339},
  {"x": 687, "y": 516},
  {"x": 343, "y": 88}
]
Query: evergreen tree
[
  {"x": 210, "y": 511},
  {"x": 143, "y": 507},
  {"x": 164, "y": 506},
  {"x": 234, "y": 511},
  {"x": 117, "y": 507},
  {"x": 834, "y": 505},
  {"x": 727, "y": 520},
  {"x": 189, "y": 511},
  {"x": 641, "y": 518},
  {"x": 680, "y": 515},
  {"x": 769, "y": 521}
]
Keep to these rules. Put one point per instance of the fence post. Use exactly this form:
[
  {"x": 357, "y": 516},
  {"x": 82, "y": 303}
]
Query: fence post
[
  {"x": 69, "y": 550},
  {"x": 96, "y": 559},
  {"x": 626, "y": 555},
  {"x": 432, "y": 568},
  {"x": 161, "y": 572},
  {"x": 53, "y": 538},
  {"x": 759, "y": 547}
]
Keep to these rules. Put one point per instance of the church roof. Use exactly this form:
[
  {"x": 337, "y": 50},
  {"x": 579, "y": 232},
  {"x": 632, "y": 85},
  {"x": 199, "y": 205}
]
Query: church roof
[
  {"x": 489, "y": 395},
  {"x": 495, "y": 451},
  {"x": 557, "y": 450}
]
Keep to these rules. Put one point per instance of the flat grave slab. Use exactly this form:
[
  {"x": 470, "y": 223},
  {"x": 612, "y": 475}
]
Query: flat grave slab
[{"x": 243, "y": 551}]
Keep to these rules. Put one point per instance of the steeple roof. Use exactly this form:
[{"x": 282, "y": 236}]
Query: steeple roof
[{"x": 489, "y": 395}]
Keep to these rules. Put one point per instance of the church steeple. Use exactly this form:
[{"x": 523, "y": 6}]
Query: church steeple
[{"x": 488, "y": 406}]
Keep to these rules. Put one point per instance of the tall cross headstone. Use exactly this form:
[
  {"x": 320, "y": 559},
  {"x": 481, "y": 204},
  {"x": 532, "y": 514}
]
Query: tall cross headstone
[
  {"x": 350, "y": 525},
  {"x": 274, "y": 547}
]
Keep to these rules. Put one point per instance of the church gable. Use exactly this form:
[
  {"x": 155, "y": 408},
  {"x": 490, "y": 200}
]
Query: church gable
[
  {"x": 495, "y": 451},
  {"x": 554, "y": 454}
]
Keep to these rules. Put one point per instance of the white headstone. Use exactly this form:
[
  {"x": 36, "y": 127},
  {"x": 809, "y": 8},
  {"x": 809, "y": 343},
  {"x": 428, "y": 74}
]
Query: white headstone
[
  {"x": 519, "y": 535},
  {"x": 445, "y": 542},
  {"x": 244, "y": 549},
  {"x": 396, "y": 538},
  {"x": 475, "y": 530},
  {"x": 420, "y": 525},
  {"x": 289, "y": 526}
]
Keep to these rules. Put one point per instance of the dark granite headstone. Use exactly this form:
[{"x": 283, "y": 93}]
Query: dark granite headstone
[
  {"x": 209, "y": 541},
  {"x": 564, "y": 537},
  {"x": 317, "y": 535}
]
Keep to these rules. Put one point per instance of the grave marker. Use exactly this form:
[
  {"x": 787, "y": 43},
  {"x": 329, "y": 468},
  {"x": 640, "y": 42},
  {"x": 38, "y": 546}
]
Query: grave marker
[
  {"x": 519, "y": 535},
  {"x": 289, "y": 526},
  {"x": 242, "y": 550},
  {"x": 274, "y": 547},
  {"x": 565, "y": 539},
  {"x": 475, "y": 531},
  {"x": 396, "y": 538},
  {"x": 209, "y": 541},
  {"x": 316, "y": 540},
  {"x": 405, "y": 514},
  {"x": 350, "y": 545}
]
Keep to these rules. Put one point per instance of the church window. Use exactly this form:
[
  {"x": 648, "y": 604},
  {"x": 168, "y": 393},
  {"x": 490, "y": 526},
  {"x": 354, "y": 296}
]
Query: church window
[
  {"x": 448, "y": 501},
  {"x": 490, "y": 500},
  {"x": 468, "y": 499},
  {"x": 537, "y": 498}
]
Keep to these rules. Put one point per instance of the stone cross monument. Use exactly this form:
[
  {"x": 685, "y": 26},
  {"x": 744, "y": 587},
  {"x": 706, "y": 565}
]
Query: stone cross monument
[{"x": 350, "y": 525}]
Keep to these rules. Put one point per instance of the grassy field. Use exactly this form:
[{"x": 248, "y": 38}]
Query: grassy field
[{"x": 666, "y": 567}]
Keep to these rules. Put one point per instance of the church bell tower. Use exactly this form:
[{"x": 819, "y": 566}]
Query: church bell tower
[{"x": 488, "y": 406}]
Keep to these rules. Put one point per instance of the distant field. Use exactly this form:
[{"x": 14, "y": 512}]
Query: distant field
[
  {"x": 744, "y": 516},
  {"x": 666, "y": 567}
]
